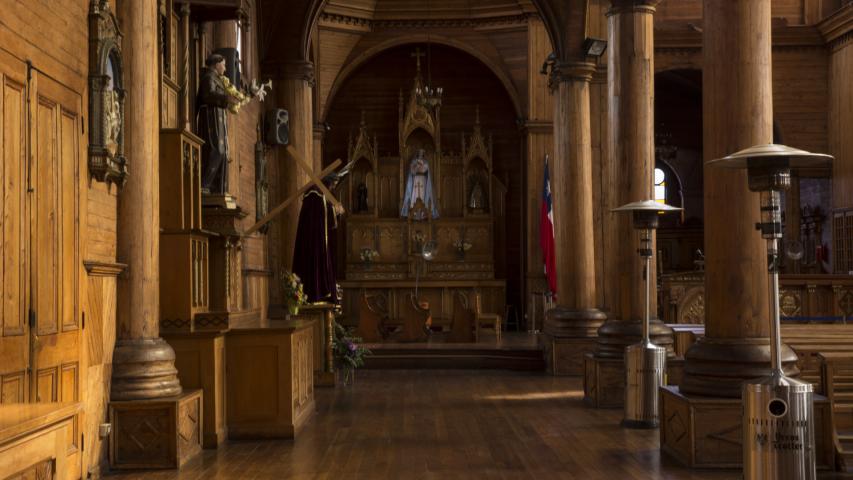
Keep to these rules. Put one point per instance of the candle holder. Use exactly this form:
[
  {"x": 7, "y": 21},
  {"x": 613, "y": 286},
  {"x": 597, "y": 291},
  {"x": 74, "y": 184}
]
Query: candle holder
[
  {"x": 778, "y": 411},
  {"x": 645, "y": 362}
]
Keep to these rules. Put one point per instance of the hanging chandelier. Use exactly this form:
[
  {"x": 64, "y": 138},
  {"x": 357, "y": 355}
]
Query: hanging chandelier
[{"x": 429, "y": 96}]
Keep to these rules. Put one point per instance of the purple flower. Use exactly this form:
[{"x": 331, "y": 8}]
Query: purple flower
[{"x": 351, "y": 347}]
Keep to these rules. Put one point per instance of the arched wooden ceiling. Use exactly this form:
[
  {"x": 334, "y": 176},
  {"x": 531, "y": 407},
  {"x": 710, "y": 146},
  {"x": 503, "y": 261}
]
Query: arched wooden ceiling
[{"x": 286, "y": 27}]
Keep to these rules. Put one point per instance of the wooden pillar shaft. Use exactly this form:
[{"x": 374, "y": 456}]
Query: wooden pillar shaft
[
  {"x": 630, "y": 89},
  {"x": 738, "y": 113},
  {"x": 571, "y": 190},
  {"x": 571, "y": 193},
  {"x": 143, "y": 362},
  {"x": 293, "y": 91}
]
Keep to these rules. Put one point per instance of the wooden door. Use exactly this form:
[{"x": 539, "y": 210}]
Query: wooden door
[
  {"x": 42, "y": 137},
  {"x": 56, "y": 136},
  {"x": 14, "y": 283},
  {"x": 55, "y": 143}
]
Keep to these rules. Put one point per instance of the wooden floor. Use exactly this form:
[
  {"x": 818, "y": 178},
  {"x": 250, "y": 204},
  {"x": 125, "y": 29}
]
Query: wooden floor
[{"x": 449, "y": 424}]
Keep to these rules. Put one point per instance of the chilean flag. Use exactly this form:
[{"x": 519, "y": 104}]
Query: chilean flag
[{"x": 546, "y": 233}]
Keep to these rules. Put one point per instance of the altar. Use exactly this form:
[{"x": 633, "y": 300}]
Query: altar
[{"x": 420, "y": 225}]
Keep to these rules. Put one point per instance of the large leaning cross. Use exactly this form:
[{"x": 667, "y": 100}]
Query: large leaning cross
[{"x": 314, "y": 180}]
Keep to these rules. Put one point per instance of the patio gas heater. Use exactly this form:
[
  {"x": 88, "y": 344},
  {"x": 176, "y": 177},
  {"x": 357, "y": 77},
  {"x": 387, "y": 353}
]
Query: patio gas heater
[
  {"x": 778, "y": 411},
  {"x": 645, "y": 362}
]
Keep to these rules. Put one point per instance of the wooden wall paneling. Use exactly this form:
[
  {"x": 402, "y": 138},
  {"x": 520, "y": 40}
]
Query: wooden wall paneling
[
  {"x": 800, "y": 96},
  {"x": 840, "y": 118}
]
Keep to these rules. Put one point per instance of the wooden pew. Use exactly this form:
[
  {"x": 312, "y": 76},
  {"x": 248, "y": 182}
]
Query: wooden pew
[
  {"x": 837, "y": 381},
  {"x": 370, "y": 321},
  {"x": 462, "y": 326}
]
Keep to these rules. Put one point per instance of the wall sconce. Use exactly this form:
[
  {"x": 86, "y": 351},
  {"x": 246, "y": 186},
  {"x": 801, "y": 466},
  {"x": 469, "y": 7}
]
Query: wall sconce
[{"x": 594, "y": 47}]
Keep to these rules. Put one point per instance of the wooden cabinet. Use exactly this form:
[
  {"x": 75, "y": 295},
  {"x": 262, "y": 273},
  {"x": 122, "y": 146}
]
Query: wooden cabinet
[
  {"x": 184, "y": 246},
  {"x": 34, "y": 441},
  {"x": 270, "y": 379}
]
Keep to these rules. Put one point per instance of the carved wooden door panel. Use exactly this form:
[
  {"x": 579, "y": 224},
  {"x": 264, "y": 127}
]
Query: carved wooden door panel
[
  {"x": 56, "y": 137},
  {"x": 14, "y": 283}
]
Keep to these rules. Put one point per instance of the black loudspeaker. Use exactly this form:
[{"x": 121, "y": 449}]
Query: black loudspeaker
[
  {"x": 277, "y": 123},
  {"x": 232, "y": 65}
]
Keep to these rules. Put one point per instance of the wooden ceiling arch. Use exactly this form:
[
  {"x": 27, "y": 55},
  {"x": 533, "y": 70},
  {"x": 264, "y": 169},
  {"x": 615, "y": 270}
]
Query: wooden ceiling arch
[
  {"x": 375, "y": 50},
  {"x": 291, "y": 23}
]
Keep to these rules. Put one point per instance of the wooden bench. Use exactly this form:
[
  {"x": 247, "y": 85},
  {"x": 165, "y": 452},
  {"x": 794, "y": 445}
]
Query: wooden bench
[{"x": 837, "y": 381}]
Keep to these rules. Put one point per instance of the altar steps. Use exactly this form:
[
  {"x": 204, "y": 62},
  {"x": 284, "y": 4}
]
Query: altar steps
[{"x": 515, "y": 351}]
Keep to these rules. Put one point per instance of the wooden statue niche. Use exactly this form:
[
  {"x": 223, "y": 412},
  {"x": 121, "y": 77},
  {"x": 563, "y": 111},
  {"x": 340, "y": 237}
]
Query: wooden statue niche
[
  {"x": 420, "y": 144},
  {"x": 361, "y": 185},
  {"x": 477, "y": 165},
  {"x": 106, "y": 98}
]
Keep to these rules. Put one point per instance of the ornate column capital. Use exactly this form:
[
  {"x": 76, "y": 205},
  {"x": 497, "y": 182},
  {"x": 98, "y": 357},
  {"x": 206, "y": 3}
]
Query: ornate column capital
[
  {"x": 570, "y": 72},
  {"x": 294, "y": 69},
  {"x": 632, "y": 6}
]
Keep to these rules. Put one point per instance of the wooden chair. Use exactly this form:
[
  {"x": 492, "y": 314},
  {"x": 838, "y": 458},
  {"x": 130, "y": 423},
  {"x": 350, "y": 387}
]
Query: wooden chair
[
  {"x": 370, "y": 320},
  {"x": 416, "y": 320},
  {"x": 480, "y": 318},
  {"x": 462, "y": 326}
]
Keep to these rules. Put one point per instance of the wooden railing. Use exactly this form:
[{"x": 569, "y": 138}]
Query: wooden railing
[{"x": 802, "y": 298}]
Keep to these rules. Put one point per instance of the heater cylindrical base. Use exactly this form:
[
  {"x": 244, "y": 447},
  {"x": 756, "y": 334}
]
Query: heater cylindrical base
[
  {"x": 778, "y": 429},
  {"x": 645, "y": 367}
]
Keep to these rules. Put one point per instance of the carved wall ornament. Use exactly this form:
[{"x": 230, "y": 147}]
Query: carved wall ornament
[
  {"x": 790, "y": 303},
  {"x": 107, "y": 162},
  {"x": 693, "y": 308}
]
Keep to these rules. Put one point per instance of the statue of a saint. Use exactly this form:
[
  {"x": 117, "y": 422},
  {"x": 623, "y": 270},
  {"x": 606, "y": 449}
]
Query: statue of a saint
[
  {"x": 419, "y": 186},
  {"x": 477, "y": 199},
  {"x": 361, "y": 198},
  {"x": 313, "y": 258},
  {"x": 213, "y": 100},
  {"x": 112, "y": 121}
]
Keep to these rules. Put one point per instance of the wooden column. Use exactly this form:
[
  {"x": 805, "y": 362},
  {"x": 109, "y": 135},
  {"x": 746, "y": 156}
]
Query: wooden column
[
  {"x": 738, "y": 113},
  {"x": 571, "y": 192},
  {"x": 143, "y": 364},
  {"x": 630, "y": 85},
  {"x": 293, "y": 87},
  {"x": 186, "y": 86}
]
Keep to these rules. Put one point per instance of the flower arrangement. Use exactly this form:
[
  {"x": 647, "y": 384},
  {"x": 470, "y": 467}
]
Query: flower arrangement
[
  {"x": 293, "y": 290},
  {"x": 349, "y": 355},
  {"x": 462, "y": 246},
  {"x": 368, "y": 255}
]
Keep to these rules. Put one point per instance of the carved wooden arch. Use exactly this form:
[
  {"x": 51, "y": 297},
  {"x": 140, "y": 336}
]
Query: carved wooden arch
[
  {"x": 363, "y": 57},
  {"x": 565, "y": 21}
]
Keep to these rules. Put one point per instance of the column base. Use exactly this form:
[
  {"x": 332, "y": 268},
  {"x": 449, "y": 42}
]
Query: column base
[
  {"x": 200, "y": 359},
  {"x": 568, "y": 336},
  {"x": 718, "y": 367},
  {"x": 604, "y": 380},
  {"x": 615, "y": 335},
  {"x": 144, "y": 369},
  {"x": 706, "y": 432},
  {"x": 565, "y": 356},
  {"x": 160, "y": 433}
]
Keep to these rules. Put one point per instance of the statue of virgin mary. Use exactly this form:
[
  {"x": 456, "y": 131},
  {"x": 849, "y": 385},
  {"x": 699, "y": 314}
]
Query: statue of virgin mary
[{"x": 419, "y": 186}]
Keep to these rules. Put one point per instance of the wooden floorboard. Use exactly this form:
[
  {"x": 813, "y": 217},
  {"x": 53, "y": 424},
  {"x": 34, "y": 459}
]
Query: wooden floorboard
[{"x": 453, "y": 424}]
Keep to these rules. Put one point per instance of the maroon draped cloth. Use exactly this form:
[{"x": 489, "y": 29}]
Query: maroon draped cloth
[{"x": 315, "y": 246}]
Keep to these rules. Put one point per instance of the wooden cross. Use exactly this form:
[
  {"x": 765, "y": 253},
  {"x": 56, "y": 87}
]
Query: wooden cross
[
  {"x": 283, "y": 205},
  {"x": 418, "y": 54}
]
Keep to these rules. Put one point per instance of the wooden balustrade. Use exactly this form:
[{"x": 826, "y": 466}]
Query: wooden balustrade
[{"x": 802, "y": 298}]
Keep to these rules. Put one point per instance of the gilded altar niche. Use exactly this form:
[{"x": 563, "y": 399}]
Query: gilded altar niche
[{"x": 427, "y": 196}]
